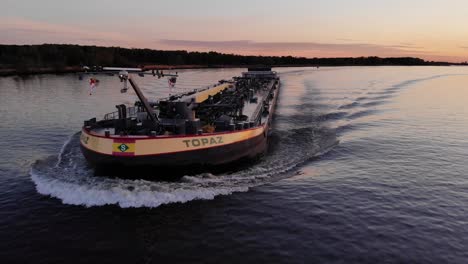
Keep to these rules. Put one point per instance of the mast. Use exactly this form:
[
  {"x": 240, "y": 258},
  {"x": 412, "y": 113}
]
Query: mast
[{"x": 142, "y": 98}]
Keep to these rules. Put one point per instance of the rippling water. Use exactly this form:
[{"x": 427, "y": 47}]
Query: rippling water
[{"x": 366, "y": 165}]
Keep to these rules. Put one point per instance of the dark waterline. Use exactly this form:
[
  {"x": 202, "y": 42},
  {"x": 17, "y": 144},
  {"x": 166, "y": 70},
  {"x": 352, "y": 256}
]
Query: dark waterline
[{"x": 367, "y": 165}]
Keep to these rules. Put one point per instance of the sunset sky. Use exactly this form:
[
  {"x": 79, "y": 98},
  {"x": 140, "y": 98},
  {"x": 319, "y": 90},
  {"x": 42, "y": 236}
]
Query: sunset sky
[{"x": 430, "y": 29}]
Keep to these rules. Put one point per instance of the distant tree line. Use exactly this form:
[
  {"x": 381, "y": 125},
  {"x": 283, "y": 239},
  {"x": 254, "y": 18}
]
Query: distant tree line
[{"x": 26, "y": 58}]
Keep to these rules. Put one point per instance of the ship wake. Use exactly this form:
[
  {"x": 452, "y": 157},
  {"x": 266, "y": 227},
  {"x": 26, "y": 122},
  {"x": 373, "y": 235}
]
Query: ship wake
[{"x": 69, "y": 178}]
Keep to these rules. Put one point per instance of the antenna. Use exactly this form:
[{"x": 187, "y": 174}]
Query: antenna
[{"x": 123, "y": 76}]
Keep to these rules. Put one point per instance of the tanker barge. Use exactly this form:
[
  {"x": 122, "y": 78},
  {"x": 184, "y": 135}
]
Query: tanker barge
[{"x": 212, "y": 126}]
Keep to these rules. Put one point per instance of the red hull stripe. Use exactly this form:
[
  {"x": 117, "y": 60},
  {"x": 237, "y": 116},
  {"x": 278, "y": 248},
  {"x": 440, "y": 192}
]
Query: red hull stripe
[
  {"x": 124, "y": 140},
  {"x": 127, "y": 154},
  {"x": 172, "y": 136}
]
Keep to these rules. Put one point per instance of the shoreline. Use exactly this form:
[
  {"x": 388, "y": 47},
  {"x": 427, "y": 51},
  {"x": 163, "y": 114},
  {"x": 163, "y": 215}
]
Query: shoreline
[{"x": 77, "y": 69}]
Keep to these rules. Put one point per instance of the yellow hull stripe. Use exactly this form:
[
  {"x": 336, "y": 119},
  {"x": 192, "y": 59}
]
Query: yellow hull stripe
[{"x": 161, "y": 145}]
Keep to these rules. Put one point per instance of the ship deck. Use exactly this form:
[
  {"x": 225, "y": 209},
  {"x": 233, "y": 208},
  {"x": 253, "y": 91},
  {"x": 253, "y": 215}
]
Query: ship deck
[{"x": 251, "y": 109}]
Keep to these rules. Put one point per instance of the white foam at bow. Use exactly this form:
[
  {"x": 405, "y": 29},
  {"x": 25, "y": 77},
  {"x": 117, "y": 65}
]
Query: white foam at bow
[{"x": 140, "y": 195}]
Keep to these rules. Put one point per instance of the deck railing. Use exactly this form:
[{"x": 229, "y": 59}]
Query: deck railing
[
  {"x": 257, "y": 115},
  {"x": 131, "y": 112}
]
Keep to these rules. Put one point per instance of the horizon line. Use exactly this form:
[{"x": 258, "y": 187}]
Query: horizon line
[{"x": 227, "y": 53}]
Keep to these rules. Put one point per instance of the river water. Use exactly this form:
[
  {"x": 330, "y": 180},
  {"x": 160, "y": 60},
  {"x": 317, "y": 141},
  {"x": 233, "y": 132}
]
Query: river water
[{"x": 366, "y": 165}]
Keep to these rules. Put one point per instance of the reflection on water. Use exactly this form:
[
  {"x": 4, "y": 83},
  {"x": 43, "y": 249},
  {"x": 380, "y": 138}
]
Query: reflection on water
[{"x": 367, "y": 164}]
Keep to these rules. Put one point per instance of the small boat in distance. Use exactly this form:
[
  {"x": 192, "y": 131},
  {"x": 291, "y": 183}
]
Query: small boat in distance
[{"x": 212, "y": 126}]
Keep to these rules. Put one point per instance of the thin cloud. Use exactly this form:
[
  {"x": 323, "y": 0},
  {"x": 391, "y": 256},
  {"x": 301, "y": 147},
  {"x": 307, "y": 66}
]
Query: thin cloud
[
  {"x": 406, "y": 46},
  {"x": 24, "y": 31},
  {"x": 308, "y": 48},
  {"x": 346, "y": 39}
]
